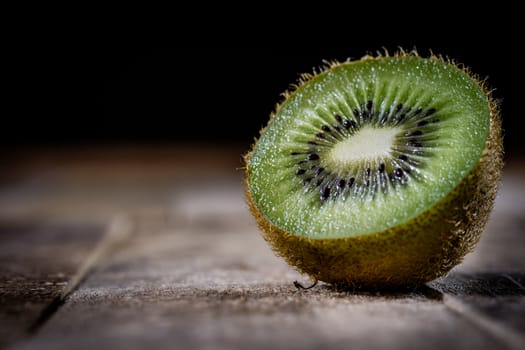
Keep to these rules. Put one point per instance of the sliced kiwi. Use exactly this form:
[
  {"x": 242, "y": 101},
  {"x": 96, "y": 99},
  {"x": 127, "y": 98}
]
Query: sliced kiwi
[{"x": 379, "y": 172}]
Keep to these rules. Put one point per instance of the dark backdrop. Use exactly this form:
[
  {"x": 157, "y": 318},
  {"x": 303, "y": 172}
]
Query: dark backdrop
[{"x": 112, "y": 93}]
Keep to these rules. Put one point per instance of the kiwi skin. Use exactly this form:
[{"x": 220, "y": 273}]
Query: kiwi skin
[{"x": 416, "y": 252}]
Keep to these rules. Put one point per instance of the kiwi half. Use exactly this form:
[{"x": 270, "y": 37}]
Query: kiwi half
[{"x": 377, "y": 173}]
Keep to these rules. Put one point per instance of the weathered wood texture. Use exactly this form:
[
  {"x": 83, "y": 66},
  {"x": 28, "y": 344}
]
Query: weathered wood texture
[
  {"x": 193, "y": 271},
  {"x": 36, "y": 264}
]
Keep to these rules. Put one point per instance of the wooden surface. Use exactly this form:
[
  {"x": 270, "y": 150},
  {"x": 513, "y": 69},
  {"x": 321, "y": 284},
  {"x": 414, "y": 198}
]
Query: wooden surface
[{"x": 133, "y": 248}]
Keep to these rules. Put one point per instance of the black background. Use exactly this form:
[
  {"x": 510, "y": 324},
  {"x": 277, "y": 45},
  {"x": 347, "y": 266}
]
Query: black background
[{"x": 108, "y": 92}]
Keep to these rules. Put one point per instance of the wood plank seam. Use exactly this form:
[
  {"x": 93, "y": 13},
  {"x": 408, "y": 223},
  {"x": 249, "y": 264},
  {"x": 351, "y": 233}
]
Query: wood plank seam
[
  {"x": 118, "y": 231},
  {"x": 510, "y": 278}
]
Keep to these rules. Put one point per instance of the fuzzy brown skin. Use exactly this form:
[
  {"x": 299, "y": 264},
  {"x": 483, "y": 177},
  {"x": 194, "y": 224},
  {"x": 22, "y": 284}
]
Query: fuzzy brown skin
[{"x": 418, "y": 251}]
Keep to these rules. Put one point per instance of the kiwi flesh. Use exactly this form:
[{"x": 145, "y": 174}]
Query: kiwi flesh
[{"x": 378, "y": 173}]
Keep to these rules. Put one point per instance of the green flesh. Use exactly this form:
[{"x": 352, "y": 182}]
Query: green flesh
[{"x": 454, "y": 136}]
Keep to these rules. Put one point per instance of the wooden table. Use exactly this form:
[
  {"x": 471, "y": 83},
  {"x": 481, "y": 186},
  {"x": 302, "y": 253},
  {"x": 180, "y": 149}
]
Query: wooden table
[{"x": 153, "y": 247}]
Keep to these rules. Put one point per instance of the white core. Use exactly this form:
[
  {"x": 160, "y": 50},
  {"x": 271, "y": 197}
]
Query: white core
[{"x": 367, "y": 143}]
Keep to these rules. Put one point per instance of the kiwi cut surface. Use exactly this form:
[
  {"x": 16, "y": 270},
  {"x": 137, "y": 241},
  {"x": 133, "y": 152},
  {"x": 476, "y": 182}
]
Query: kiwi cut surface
[{"x": 377, "y": 172}]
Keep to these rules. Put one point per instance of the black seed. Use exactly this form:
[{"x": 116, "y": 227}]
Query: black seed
[
  {"x": 312, "y": 143},
  {"x": 367, "y": 172},
  {"x": 422, "y": 123},
  {"x": 320, "y": 135},
  {"x": 318, "y": 182},
  {"x": 418, "y": 111},
  {"x": 325, "y": 193},
  {"x": 399, "y": 172},
  {"x": 341, "y": 184},
  {"x": 430, "y": 112},
  {"x": 319, "y": 171},
  {"x": 367, "y": 183},
  {"x": 349, "y": 124},
  {"x": 295, "y": 153},
  {"x": 337, "y": 128},
  {"x": 399, "y": 107},
  {"x": 351, "y": 182},
  {"x": 414, "y": 133},
  {"x": 407, "y": 170},
  {"x": 338, "y": 118},
  {"x": 307, "y": 181},
  {"x": 402, "y": 116},
  {"x": 302, "y": 162},
  {"x": 414, "y": 143},
  {"x": 313, "y": 156},
  {"x": 325, "y": 128},
  {"x": 381, "y": 167},
  {"x": 403, "y": 157},
  {"x": 356, "y": 112},
  {"x": 300, "y": 171},
  {"x": 369, "y": 105},
  {"x": 435, "y": 121}
]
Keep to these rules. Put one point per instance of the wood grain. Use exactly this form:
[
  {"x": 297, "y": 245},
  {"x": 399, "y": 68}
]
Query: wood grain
[
  {"x": 37, "y": 263},
  {"x": 194, "y": 272}
]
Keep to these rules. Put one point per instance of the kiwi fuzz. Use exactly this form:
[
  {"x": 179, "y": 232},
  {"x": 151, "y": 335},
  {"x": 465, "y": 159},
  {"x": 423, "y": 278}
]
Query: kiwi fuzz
[{"x": 414, "y": 252}]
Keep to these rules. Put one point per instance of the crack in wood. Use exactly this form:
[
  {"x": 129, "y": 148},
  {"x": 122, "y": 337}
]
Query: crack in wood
[{"x": 118, "y": 231}]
